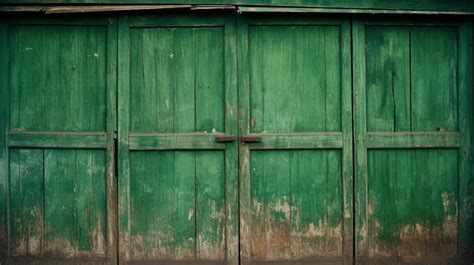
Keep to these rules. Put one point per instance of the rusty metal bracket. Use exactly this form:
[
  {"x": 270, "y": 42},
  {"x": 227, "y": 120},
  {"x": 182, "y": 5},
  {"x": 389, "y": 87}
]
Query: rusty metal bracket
[
  {"x": 250, "y": 139},
  {"x": 225, "y": 139}
]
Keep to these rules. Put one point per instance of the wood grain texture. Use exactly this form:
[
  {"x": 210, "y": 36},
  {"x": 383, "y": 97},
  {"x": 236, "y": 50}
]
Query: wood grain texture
[
  {"x": 435, "y": 5},
  {"x": 179, "y": 73},
  {"x": 410, "y": 87},
  {"x": 291, "y": 97},
  {"x": 4, "y": 154},
  {"x": 60, "y": 132}
]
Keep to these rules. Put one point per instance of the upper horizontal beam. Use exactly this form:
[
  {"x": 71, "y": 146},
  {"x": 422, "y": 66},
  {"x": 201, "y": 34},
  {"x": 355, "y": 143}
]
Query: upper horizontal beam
[{"x": 433, "y": 7}]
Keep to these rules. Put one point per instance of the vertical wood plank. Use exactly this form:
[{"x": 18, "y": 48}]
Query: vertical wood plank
[
  {"x": 358, "y": 82},
  {"x": 26, "y": 201},
  {"x": 60, "y": 206},
  {"x": 123, "y": 131},
  {"x": 4, "y": 127},
  {"x": 111, "y": 187},
  {"x": 184, "y": 69},
  {"x": 91, "y": 199},
  {"x": 210, "y": 207},
  {"x": 431, "y": 72},
  {"x": 388, "y": 79},
  {"x": 209, "y": 80},
  {"x": 244, "y": 152},
  {"x": 466, "y": 179},
  {"x": 231, "y": 152},
  {"x": 348, "y": 155}
]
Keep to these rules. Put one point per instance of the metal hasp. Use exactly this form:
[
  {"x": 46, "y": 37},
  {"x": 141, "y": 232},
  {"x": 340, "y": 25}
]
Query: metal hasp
[
  {"x": 225, "y": 139},
  {"x": 250, "y": 139}
]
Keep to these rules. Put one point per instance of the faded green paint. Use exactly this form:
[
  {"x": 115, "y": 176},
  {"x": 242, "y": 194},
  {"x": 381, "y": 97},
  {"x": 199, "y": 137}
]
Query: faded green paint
[
  {"x": 411, "y": 88},
  {"x": 57, "y": 92},
  {"x": 435, "y": 5},
  {"x": 292, "y": 200},
  {"x": 179, "y": 99},
  {"x": 178, "y": 186}
]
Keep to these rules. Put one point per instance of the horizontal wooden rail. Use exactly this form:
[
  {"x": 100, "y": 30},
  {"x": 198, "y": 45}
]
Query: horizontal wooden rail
[
  {"x": 275, "y": 9},
  {"x": 57, "y": 140},
  {"x": 297, "y": 141},
  {"x": 387, "y": 140},
  {"x": 178, "y": 141}
]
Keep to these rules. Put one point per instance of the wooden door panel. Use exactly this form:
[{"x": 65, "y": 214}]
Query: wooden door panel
[
  {"x": 177, "y": 182},
  {"x": 413, "y": 109},
  {"x": 295, "y": 179},
  {"x": 59, "y": 152}
]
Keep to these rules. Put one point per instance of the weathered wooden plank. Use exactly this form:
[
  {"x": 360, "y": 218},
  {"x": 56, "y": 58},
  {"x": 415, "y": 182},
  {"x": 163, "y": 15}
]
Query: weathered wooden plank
[
  {"x": 185, "y": 222},
  {"x": 434, "y": 111},
  {"x": 210, "y": 108},
  {"x": 406, "y": 186},
  {"x": 272, "y": 196},
  {"x": 184, "y": 80},
  {"x": 174, "y": 141},
  {"x": 59, "y": 203},
  {"x": 123, "y": 118},
  {"x": 436, "y": 5},
  {"x": 57, "y": 140},
  {"x": 111, "y": 151},
  {"x": 388, "y": 79},
  {"x": 245, "y": 206},
  {"x": 4, "y": 154},
  {"x": 26, "y": 213},
  {"x": 231, "y": 154},
  {"x": 173, "y": 20},
  {"x": 360, "y": 125},
  {"x": 210, "y": 206},
  {"x": 152, "y": 205},
  {"x": 315, "y": 185},
  {"x": 71, "y": 80},
  {"x": 331, "y": 10},
  {"x": 348, "y": 156},
  {"x": 298, "y": 141},
  {"x": 465, "y": 83},
  {"x": 90, "y": 203},
  {"x": 413, "y": 140}
]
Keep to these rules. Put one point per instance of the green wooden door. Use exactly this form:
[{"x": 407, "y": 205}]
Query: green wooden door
[
  {"x": 177, "y": 183},
  {"x": 413, "y": 85},
  {"x": 56, "y": 162},
  {"x": 296, "y": 141}
]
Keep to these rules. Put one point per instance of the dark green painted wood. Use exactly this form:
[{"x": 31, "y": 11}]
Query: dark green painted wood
[
  {"x": 298, "y": 141},
  {"x": 413, "y": 140},
  {"x": 62, "y": 105},
  {"x": 65, "y": 81},
  {"x": 434, "y": 5},
  {"x": 57, "y": 140},
  {"x": 291, "y": 95},
  {"x": 175, "y": 141},
  {"x": 411, "y": 86},
  {"x": 4, "y": 154},
  {"x": 179, "y": 73}
]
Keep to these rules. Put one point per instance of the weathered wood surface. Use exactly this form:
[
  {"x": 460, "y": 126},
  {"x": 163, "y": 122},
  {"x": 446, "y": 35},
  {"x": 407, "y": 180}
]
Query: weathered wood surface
[
  {"x": 292, "y": 96},
  {"x": 178, "y": 186},
  {"x": 434, "y": 5},
  {"x": 58, "y": 135},
  {"x": 411, "y": 101},
  {"x": 178, "y": 200}
]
